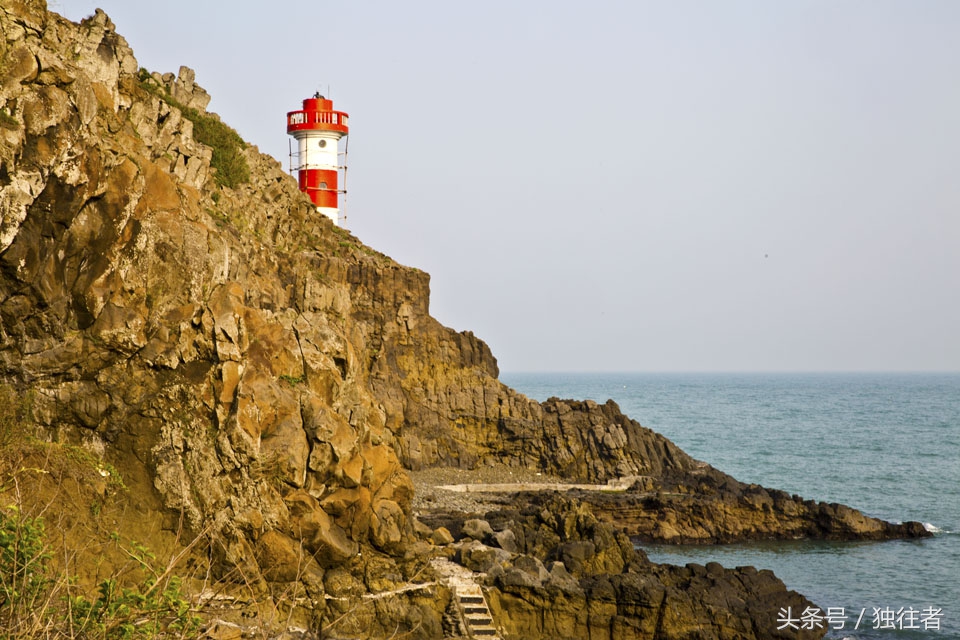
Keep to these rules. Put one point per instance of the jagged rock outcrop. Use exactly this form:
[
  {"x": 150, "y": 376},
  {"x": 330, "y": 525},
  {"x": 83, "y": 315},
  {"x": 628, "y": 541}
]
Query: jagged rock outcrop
[
  {"x": 710, "y": 507},
  {"x": 598, "y": 586},
  {"x": 677, "y": 499},
  {"x": 256, "y": 375}
]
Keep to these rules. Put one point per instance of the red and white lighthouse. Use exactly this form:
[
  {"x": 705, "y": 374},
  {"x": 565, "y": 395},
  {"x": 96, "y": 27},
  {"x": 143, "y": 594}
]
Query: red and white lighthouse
[{"x": 318, "y": 130}]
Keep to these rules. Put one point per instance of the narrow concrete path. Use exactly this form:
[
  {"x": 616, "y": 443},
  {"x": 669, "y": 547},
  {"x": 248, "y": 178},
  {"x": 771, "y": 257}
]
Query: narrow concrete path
[{"x": 618, "y": 484}]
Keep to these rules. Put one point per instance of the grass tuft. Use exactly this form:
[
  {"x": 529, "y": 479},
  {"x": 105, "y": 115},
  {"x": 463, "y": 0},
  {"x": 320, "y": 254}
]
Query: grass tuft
[{"x": 227, "y": 145}]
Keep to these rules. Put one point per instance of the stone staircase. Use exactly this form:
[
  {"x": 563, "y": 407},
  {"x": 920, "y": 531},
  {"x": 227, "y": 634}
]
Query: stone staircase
[
  {"x": 475, "y": 612},
  {"x": 475, "y": 620}
]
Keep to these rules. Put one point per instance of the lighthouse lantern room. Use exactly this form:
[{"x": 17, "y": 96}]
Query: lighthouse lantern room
[{"x": 318, "y": 130}]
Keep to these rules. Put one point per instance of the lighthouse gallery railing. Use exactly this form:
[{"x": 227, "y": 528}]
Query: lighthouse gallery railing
[{"x": 300, "y": 118}]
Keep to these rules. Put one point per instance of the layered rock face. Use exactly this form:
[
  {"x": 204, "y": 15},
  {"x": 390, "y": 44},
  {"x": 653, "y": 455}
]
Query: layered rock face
[{"x": 258, "y": 376}]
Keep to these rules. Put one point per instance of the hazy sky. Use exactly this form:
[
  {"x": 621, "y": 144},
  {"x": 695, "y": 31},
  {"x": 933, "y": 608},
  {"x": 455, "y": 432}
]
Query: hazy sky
[{"x": 613, "y": 186}]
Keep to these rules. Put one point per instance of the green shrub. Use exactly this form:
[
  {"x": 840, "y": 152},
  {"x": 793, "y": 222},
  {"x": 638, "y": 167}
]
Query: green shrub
[
  {"x": 292, "y": 380},
  {"x": 33, "y": 603},
  {"x": 146, "y": 611},
  {"x": 23, "y": 567},
  {"x": 227, "y": 145}
]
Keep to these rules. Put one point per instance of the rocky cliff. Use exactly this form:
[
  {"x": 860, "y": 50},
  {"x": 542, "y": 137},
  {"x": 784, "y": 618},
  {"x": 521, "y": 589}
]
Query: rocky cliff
[{"x": 263, "y": 382}]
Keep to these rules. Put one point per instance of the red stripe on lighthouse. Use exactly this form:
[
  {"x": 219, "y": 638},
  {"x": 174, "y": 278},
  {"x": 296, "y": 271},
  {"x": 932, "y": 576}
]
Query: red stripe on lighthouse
[{"x": 320, "y": 185}]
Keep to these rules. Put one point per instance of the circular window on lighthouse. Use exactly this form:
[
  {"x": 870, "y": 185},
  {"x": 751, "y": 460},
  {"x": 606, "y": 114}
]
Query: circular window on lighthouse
[{"x": 323, "y": 143}]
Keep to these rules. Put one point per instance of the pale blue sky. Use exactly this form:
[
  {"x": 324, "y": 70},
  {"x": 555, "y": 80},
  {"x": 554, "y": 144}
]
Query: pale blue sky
[{"x": 647, "y": 186}]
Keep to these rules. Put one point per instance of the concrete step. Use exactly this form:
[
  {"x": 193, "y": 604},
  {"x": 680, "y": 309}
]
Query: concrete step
[
  {"x": 481, "y": 610},
  {"x": 469, "y": 605}
]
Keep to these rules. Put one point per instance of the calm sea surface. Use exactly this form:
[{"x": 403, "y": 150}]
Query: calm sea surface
[{"x": 887, "y": 444}]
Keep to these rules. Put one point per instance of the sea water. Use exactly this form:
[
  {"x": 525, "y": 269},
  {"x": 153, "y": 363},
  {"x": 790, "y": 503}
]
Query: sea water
[{"x": 887, "y": 444}]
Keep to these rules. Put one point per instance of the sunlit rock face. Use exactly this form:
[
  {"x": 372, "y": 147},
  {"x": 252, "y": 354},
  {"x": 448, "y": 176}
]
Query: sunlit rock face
[{"x": 213, "y": 343}]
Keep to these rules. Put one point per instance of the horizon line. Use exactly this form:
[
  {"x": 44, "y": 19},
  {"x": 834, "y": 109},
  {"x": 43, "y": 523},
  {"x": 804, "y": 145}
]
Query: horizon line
[{"x": 729, "y": 371}]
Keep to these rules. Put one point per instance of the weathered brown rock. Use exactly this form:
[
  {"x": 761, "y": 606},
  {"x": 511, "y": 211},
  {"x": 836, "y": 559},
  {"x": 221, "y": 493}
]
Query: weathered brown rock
[
  {"x": 441, "y": 536},
  {"x": 707, "y": 506},
  {"x": 603, "y": 588},
  {"x": 283, "y": 559},
  {"x": 185, "y": 90}
]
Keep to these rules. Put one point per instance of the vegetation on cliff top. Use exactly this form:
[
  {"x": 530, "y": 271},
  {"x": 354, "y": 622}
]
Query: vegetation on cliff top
[{"x": 227, "y": 145}]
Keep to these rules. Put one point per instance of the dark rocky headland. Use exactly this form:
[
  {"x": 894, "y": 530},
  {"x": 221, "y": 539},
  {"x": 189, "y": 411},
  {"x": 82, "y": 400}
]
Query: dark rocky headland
[{"x": 195, "y": 363}]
